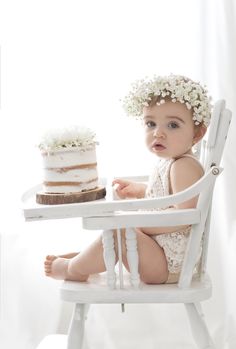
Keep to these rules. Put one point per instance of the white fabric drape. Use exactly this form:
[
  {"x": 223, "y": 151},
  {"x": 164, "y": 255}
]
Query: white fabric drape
[
  {"x": 219, "y": 54},
  {"x": 69, "y": 63}
]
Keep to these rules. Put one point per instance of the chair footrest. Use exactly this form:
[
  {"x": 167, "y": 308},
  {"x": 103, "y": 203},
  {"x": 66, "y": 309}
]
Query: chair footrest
[{"x": 95, "y": 290}]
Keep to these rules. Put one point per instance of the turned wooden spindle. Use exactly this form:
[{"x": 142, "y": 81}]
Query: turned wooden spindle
[
  {"x": 132, "y": 256},
  {"x": 109, "y": 257}
]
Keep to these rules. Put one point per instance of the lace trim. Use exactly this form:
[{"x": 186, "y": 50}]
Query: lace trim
[
  {"x": 159, "y": 180},
  {"x": 174, "y": 244}
]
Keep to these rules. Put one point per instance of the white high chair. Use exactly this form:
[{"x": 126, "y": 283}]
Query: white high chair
[{"x": 105, "y": 288}]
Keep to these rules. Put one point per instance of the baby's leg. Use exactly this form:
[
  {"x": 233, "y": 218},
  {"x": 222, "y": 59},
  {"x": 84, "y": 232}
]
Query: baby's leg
[
  {"x": 57, "y": 268},
  {"x": 152, "y": 261},
  {"x": 54, "y": 268},
  {"x": 69, "y": 255},
  {"x": 80, "y": 266}
]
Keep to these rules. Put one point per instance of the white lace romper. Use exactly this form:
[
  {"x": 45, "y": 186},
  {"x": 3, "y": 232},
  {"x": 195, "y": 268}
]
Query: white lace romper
[{"x": 173, "y": 244}]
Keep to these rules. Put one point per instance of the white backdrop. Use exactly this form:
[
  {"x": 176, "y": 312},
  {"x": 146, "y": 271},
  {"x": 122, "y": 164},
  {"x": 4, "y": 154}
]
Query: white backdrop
[{"x": 69, "y": 62}]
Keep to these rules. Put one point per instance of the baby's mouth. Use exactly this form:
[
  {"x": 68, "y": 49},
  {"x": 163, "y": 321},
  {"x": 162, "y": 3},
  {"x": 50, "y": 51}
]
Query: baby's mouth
[{"x": 158, "y": 146}]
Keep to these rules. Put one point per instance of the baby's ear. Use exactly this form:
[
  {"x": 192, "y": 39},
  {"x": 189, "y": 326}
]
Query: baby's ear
[{"x": 199, "y": 133}]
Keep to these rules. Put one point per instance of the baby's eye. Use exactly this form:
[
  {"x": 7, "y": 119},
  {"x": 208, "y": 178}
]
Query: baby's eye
[
  {"x": 150, "y": 124},
  {"x": 173, "y": 124}
]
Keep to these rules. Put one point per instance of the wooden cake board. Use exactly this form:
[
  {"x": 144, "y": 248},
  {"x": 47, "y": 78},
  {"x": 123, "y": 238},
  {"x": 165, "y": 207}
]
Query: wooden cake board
[{"x": 57, "y": 199}]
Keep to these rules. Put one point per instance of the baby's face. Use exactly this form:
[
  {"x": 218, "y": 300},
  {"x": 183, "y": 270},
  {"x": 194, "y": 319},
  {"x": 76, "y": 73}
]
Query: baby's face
[{"x": 169, "y": 129}]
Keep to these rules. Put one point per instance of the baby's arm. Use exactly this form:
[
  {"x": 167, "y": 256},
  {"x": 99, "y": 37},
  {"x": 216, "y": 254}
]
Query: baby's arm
[
  {"x": 183, "y": 173},
  {"x": 128, "y": 189}
]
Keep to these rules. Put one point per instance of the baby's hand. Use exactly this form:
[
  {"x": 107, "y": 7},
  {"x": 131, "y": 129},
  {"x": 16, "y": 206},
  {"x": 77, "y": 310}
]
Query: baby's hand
[{"x": 128, "y": 189}]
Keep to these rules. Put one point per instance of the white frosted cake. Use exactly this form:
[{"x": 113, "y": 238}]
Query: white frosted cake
[{"x": 69, "y": 161}]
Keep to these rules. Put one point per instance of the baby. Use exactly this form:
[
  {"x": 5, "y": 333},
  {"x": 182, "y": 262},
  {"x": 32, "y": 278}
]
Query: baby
[{"x": 175, "y": 112}]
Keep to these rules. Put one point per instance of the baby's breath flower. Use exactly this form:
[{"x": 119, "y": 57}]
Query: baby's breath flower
[
  {"x": 55, "y": 139},
  {"x": 188, "y": 105},
  {"x": 178, "y": 88}
]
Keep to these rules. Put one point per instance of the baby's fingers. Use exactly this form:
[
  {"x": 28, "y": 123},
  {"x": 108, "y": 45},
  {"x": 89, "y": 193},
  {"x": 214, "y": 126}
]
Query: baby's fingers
[
  {"x": 121, "y": 182},
  {"x": 120, "y": 190}
]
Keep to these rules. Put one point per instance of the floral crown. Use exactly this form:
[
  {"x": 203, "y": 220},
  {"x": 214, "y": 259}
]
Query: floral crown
[{"x": 176, "y": 87}]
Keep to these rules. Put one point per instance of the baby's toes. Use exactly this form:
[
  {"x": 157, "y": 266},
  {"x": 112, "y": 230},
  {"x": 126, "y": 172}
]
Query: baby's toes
[
  {"x": 47, "y": 268},
  {"x": 48, "y": 264},
  {"x": 51, "y": 258}
]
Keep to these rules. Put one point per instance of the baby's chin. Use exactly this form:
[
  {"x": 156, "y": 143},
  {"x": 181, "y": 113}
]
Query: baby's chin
[{"x": 160, "y": 152}]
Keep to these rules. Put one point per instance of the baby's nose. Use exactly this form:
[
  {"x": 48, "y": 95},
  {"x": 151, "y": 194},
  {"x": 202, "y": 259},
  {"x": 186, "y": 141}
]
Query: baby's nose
[{"x": 158, "y": 132}]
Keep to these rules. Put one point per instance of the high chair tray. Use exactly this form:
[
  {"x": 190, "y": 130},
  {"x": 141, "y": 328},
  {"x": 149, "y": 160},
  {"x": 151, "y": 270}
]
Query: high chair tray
[
  {"x": 95, "y": 212},
  {"x": 33, "y": 211}
]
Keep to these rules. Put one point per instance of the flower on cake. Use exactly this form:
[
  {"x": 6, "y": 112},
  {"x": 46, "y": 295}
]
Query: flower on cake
[{"x": 75, "y": 136}]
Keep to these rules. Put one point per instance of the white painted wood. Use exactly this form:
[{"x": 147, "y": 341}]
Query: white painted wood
[
  {"x": 132, "y": 256},
  {"x": 217, "y": 135},
  {"x": 109, "y": 257},
  {"x": 205, "y": 243},
  {"x": 145, "y": 219},
  {"x": 119, "y": 245},
  {"x": 95, "y": 291},
  {"x": 76, "y": 329},
  {"x": 198, "y": 326},
  {"x": 219, "y": 106},
  {"x": 195, "y": 238}
]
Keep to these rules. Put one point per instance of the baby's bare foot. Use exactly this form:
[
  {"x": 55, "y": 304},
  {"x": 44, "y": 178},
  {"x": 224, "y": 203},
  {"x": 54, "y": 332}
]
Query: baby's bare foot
[
  {"x": 56, "y": 267},
  {"x": 49, "y": 271}
]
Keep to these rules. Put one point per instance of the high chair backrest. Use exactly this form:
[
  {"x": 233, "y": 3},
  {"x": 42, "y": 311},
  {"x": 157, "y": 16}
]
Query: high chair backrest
[
  {"x": 212, "y": 147},
  {"x": 213, "y": 143}
]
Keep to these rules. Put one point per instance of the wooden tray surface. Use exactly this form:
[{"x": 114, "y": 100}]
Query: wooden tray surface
[{"x": 57, "y": 199}]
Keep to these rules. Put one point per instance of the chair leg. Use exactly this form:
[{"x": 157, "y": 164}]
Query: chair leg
[
  {"x": 76, "y": 329},
  {"x": 198, "y": 326}
]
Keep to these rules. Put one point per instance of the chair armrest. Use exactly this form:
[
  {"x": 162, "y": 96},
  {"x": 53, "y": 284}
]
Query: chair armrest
[
  {"x": 162, "y": 218},
  {"x": 33, "y": 211},
  {"x": 202, "y": 184}
]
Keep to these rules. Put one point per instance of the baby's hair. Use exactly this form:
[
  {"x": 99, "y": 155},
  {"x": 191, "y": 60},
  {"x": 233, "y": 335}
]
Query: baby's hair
[
  {"x": 158, "y": 100},
  {"x": 174, "y": 88}
]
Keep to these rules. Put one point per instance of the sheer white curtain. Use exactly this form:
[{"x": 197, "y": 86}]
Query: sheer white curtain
[
  {"x": 66, "y": 63},
  {"x": 219, "y": 55}
]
